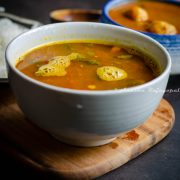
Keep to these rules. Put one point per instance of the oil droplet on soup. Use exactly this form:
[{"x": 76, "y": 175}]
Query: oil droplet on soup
[{"x": 88, "y": 66}]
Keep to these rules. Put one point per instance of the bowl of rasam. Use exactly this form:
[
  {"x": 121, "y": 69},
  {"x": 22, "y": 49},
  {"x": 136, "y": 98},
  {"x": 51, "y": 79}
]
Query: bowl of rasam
[
  {"x": 86, "y": 83},
  {"x": 157, "y": 19}
]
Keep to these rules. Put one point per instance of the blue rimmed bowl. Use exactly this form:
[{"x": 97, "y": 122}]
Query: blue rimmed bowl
[{"x": 170, "y": 42}]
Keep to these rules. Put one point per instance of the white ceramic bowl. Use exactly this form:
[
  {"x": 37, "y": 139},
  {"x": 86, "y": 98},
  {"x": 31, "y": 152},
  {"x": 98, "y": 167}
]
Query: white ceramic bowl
[{"x": 86, "y": 118}]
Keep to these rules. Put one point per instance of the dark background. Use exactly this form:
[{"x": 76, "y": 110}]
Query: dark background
[{"x": 160, "y": 162}]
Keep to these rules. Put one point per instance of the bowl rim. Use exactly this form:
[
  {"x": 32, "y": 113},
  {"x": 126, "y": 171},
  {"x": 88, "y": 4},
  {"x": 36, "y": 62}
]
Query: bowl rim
[
  {"x": 107, "y": 6},
  {"x": 138, "y": 88},
  {"x": 78, "y": 10},
  {"x": 97, "y": 12}
]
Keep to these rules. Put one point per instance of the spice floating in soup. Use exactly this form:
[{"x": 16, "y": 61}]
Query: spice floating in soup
[
  {"x": 88, "y": 66},
  {"x": 148, "y": 16}
]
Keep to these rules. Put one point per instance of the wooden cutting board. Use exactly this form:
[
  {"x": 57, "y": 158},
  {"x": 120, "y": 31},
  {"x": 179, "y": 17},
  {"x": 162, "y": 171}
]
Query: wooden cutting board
[{"x": 37, "y": 148}]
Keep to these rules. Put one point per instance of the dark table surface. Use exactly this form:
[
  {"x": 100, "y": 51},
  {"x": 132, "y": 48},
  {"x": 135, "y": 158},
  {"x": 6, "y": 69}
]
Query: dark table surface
[{"x": 160, "y": 162}]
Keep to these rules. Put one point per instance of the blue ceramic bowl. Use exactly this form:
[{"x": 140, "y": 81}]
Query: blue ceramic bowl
[{"x": 170, "y": 42}]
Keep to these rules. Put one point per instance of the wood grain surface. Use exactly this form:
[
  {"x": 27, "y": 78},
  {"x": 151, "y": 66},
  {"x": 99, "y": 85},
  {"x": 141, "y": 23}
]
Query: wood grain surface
[{"x": 37, "y": 148}]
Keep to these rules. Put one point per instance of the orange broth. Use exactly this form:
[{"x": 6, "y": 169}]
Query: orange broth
[{"x": 82, "y": 75}]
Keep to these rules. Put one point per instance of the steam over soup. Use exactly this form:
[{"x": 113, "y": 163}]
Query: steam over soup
[{"x": 88, "y": 66}]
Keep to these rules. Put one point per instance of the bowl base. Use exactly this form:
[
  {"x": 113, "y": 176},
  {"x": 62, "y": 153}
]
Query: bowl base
[{"x": 88, "y": 143}]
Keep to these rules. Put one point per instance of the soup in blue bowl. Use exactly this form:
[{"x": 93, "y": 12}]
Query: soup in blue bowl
[{"x": 157, "y": 19}]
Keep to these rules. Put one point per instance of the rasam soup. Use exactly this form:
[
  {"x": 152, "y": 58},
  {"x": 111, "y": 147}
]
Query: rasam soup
[{"x": 88, "y": 66}]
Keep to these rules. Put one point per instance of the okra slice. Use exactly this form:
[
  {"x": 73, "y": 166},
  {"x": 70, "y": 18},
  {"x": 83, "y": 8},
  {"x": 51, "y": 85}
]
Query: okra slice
[
  {"x": 111, "y": 73},
  {"x": 57, "y": 65},
  {"x": 48, "y": 70}
]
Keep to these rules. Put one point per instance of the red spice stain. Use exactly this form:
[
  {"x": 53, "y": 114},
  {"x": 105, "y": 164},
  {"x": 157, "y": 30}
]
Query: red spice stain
[
  {"x": 132, "y": 136},
  {"x": 113, "y": 145}
]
